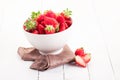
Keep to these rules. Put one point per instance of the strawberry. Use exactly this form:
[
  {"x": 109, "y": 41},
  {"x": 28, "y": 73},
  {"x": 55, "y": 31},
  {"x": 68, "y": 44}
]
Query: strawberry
[
  {"x": 60, "y": 19},
  {"x": 24, "y": 27},
  {"x": 40, "y": 29},
  {"x": 66, "y": 13},
  {"x": 50, "y": 13},
  {"x": 43, "y": 23},
  {"x": 51, "y": 21},
  {"x": 86, "y": 58},
  {"x": 40, "y": 18},
  {"x": 79, "y": 61},
  {"x": 69, "y": 22},
  {"x": 63, "y": 26},
  {"x": 79, "y": 52},
  {"x": 30, "y": 24},
  {"x": 35, "y": 32},
  {"x": 49, "y": 29}
]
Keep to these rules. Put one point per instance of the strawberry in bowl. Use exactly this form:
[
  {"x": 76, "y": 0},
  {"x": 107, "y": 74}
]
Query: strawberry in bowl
[{"x": 48, "y": 31}]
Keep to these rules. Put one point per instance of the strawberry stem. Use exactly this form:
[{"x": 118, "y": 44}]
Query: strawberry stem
[
  {"x": 49, "y": 27},
  {"x": 30, "y": 24},
  {"x": 35, "y": 15},
  {"x": 67, "y": 12}
]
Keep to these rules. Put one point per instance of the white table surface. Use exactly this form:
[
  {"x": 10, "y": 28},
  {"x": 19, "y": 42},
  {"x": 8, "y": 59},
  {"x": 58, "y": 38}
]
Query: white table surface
[{"x": 96, "y": 27}]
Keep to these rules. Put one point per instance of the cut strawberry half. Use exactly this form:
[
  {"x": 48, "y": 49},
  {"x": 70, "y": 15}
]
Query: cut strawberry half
[
  {"x": 86, "y": 58},
  {"x": 79, "y": 61}
]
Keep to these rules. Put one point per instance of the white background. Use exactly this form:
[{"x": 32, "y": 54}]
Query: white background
[{"x": 96, "y": 27}]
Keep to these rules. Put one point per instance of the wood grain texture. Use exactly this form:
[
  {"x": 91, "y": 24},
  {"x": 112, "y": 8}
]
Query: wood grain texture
[{"x": 95, "y": 27}]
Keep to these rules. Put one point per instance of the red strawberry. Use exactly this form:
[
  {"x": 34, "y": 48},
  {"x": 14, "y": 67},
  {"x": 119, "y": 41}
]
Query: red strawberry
[
  {"x": 50, "y": 13},
  {"x": 86, "y": 58},
  {"x": 43, "y": 23},
  {"x": 63, "y": 26},
  {"x": 40, "y": 18},
  {"x": 51, "y": 21},
  {"x": 35, "y": 32},
  {"x": 66, "y": 13},
  {"x": 79, "y": 52},
  {"x": 80, "y": 61},
  {"x": 60, "y": 19},
  {"x": 49, "y": 29},
  {"x": 24, "y": 27},
  {"x": 40, "y": 29},
  {"x": 69, "y": 22}
]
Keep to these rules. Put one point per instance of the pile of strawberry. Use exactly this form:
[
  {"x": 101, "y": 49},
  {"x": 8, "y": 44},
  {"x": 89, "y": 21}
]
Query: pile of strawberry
[
  {"x": 48, "y": 22},
  {"x": 81, "y": 57}
]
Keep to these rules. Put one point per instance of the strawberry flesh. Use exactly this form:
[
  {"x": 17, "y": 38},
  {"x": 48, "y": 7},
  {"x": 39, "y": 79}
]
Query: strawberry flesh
[
  {"x": 86, "y": 58},
  {"x": 79, "y": 61}
]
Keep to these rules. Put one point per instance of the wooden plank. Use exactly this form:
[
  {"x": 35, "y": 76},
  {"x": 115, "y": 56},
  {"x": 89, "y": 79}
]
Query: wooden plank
[
  {"x": 12, "y": 36},
  {"x": 12, "y": 67},
  {"x": 52, "y": 74},
  {"x": 72, "y": 72},
  {"x": 1, "y": 12},
  {"x": 82, "y": 18},
  {"x": 92, "y": 40},
  {"x": 109, "y": 20}
]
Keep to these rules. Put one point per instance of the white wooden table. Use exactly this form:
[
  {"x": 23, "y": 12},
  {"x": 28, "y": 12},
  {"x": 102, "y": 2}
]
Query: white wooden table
[{"x": 96, "y": 27}]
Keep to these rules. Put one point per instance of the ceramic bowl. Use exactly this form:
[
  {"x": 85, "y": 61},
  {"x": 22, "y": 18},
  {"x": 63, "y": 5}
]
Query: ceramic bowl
[{"x": 49, "y": 43}]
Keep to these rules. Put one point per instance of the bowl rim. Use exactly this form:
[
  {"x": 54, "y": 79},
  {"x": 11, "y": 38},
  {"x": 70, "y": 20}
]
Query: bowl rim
[{"x": 47, "y": 34}]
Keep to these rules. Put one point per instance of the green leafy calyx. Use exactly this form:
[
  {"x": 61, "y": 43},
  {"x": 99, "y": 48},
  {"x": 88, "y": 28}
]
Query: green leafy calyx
[
  {"x": 35, "y": 15},
  {"x": 30, "y": 24},
  {"x": 67, "y": 12}
]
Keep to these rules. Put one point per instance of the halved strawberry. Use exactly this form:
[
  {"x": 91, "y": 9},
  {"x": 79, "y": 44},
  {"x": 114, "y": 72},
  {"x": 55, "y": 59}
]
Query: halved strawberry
[
  {"x": 50, "y": 13},
  {"x": 49, "y": 29},
  {"x": 79, "y": 52},
  {"x": 51, "y": 21},
  {"x": 86, "y": 58},
  {"x": 79, "y": 61}
]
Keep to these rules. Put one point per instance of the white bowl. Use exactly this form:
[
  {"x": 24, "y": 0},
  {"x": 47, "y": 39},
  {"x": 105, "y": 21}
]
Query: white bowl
[{"x": 48, "y": 43}]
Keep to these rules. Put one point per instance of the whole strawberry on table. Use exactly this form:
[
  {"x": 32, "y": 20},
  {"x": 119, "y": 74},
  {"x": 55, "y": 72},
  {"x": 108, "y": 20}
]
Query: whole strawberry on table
[{"x": 48, "y": 22}]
